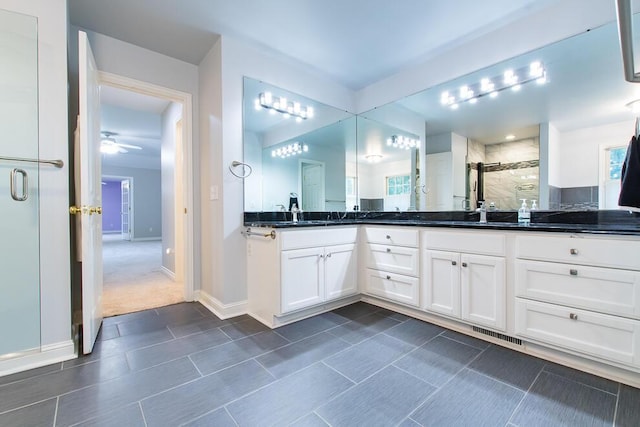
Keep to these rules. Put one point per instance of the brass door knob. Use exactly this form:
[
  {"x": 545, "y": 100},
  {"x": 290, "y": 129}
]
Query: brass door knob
[{"x": 75, "y": 210}]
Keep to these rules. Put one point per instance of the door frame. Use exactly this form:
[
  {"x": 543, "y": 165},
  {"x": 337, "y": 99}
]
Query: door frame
[
  {"x": 131, "y": 207},
  {"x": 150, "y": 89}
]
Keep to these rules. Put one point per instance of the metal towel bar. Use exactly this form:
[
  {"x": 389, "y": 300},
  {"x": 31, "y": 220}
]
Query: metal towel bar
[
  {"x": 625, "y": 31},
  {"x": 56, "y": 163},
  {"x": 248, "y": 232}
]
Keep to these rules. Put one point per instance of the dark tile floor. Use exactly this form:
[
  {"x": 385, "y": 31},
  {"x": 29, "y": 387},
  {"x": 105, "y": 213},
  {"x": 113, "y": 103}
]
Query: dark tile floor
[{"x": 358, "y": 365}]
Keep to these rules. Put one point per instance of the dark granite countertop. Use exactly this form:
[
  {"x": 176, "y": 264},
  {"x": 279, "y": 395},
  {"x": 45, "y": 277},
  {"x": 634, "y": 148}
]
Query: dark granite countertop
[{"x": 594, "y": 222}]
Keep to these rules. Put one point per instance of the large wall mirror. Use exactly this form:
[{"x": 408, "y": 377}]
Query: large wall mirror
[
  {"x": 556, "y": 136},
  {"x": 298, "y": 149}
]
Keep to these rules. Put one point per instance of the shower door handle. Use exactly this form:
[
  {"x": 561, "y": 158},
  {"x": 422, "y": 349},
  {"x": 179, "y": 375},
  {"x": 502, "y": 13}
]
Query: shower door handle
[{"x": 14, "y": 185}]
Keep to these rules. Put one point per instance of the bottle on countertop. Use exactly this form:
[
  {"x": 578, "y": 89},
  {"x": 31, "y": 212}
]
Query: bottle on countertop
[{"x": 524, "y": 214}]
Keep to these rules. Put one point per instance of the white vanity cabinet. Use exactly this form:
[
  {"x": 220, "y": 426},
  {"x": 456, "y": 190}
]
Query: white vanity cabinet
[
  {"x": 392, "y": 264},
  {"x": 464, "y": 276},
  {"x": 580, "y": 293},
  {"x": 313, "y": 275},
  {"x": 299, "y": 269}
]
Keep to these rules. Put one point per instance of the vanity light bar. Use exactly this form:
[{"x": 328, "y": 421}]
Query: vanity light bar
[
  {"x": 511, "y": 79},
  {"x": 290, "y": 150},
  {"x": 403, "y": 142},
  {"x": 282, "y": 105}
]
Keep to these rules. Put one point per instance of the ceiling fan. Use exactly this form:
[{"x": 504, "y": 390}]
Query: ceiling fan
[{"x": 109, "y": 145}]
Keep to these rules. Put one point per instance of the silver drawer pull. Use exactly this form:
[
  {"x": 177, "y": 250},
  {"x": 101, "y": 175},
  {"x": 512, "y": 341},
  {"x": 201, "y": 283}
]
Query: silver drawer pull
[
  {"x": 573, "y": 251},
  {"x": 388, "y": 250},
  {"x": 464, "y": 264},
  {"x": 329, "y": 255},
  {"x": 573, "y": 272},
  {"x": 573, "y": 316},
  {"x": 454, "y": 263},
  {"x": 388, "y": 237},
  {"x": 320, "y": 256},
  {"x": 388, "y": 277}
]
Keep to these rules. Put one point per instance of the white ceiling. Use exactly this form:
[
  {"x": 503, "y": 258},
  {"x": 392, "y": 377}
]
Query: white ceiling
[{"x": 355, "y": 42}]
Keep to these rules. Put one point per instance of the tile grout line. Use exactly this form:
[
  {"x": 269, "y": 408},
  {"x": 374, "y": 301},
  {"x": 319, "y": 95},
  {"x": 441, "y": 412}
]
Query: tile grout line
[
  {"x": 579, "y": 382},
  {"x": 55, "y": 413},
  {"x": 144, "y": 419},
  {"x": 526, "y": 393},
  {"x": 615, "y": 410},
  {"x": 231, "y": 416}
]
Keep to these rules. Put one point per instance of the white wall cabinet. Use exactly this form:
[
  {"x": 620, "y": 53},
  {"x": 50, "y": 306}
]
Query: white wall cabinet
[{"x": 467, "y": 286}]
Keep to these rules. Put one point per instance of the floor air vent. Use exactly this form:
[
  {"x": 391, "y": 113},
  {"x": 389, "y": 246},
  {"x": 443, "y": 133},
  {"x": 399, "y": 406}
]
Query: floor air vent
[{"x": 500, "y": 336}]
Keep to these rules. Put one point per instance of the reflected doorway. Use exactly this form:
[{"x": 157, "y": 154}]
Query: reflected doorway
[{"x": 312, "y": 182}]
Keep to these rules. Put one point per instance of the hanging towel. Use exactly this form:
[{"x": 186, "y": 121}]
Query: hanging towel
[{"x": 630, "y": 181}]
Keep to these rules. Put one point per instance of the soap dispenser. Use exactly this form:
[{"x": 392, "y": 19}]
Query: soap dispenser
[
  {"x": 524, "y": 214},
  {"x": 294, "y": 212},
  {"x": 483, "y": 213}
]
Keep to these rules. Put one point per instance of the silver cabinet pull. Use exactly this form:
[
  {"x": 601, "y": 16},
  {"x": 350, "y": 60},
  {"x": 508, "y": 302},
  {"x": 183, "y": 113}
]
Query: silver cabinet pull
[
  {"x": 388, "y": 250},
  {"x": 388, "y": 277},
  {"x": 388, "y": 237},
  {"x": 573, "y": 316},
  {"x": 573, "y": 272},
  {"x": 321, "y": 256},
  {"x": 573, "y": 251},
  {"x": 454, "y": 263},
  {"x": 329, "y": 255},
  {"x": 14, "y": 185},
  {"x": 464, "y": 264}
]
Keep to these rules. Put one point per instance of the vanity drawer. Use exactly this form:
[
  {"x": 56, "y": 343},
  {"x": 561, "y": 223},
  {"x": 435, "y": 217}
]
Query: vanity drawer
[
  {"x": 311, "y": 238},
  {"x": 472, "y": 242},
  {"x": 396, "y": 287},
  {"x": 601, "y": 289},
  {"x": 392, "y": 236},
  {"x": 579, "y": 250},
  {"x": 600, "y": 335},
  {"x": 395, "y": 259}
]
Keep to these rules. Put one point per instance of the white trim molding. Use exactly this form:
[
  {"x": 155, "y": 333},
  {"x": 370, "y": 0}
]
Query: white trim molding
[
  {"x": 170, "y": 274},
  {"x": 48, "y": 354},
  {"x": 223, "y": 311}
]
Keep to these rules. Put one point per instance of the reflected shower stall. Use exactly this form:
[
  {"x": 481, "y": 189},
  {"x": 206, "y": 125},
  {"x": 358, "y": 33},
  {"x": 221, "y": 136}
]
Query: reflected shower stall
[{"x": 19, "y": 193}]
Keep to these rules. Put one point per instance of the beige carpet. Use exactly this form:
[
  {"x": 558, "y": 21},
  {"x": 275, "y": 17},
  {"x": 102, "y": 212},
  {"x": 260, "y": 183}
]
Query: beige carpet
[{"x": 133, "y": 279}]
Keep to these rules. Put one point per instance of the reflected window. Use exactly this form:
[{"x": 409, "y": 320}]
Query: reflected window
[
  {"x": 616, "y": 159},
  {"x": 398, "y": 185}
]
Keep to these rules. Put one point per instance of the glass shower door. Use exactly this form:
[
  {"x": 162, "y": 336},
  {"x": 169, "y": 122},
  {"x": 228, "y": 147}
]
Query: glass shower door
[{"x": 19, "y": 207}]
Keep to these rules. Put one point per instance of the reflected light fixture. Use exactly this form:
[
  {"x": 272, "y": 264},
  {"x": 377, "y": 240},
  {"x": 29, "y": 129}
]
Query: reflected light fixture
[
  {"x": 373, "y": 158},
  {"x": 403, "y": 142},
  {"x": 510, "y": 79},
  {"x": 634, "y": 106},
  {"x": 280, "y": 104},
  {"x": 290, "y": 150},
  {"x": 510, "y": 137}
]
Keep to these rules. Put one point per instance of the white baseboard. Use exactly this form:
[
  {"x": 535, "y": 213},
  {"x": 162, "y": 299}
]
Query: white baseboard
[
  {"x": 146, "y": 239},
  {"x": 168, "y": 272},
  {"x": 48, "y": 354},
  {"x": 223, "y": 311}
]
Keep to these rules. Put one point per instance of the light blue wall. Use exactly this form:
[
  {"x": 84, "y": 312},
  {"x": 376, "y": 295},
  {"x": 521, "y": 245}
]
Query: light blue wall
[{"x": 147, "y": 201}]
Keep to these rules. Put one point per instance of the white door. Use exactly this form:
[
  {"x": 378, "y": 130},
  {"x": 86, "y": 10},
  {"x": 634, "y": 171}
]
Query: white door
[
  {"x": 312, "y": 187},
  {"x": 483, "y": 291},
  {"x": 340, "y": 271},
  {"x": 125, "y": 209},
  {"x": 90, "y": 191},
  {"x": 302, "y": 278},
  {"x": 442, "y": 282},
  {"x": 439, "y": 182}
]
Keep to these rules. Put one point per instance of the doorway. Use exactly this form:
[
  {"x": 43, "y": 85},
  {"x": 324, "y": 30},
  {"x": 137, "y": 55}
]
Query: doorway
[{"x": 144, "y": 254}]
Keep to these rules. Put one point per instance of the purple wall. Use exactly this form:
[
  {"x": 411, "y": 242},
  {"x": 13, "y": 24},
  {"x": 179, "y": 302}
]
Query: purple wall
[{"x": 111, "y": 205}]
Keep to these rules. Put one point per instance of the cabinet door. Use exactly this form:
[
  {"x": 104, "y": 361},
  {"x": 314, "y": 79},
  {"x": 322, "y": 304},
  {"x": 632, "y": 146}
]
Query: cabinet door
[
  {"x": 441, "y": 282},
  {"x": 302, "y": 278},
  {"x": 340, "y": 264},
  {"x": 483, "y": 290}
]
